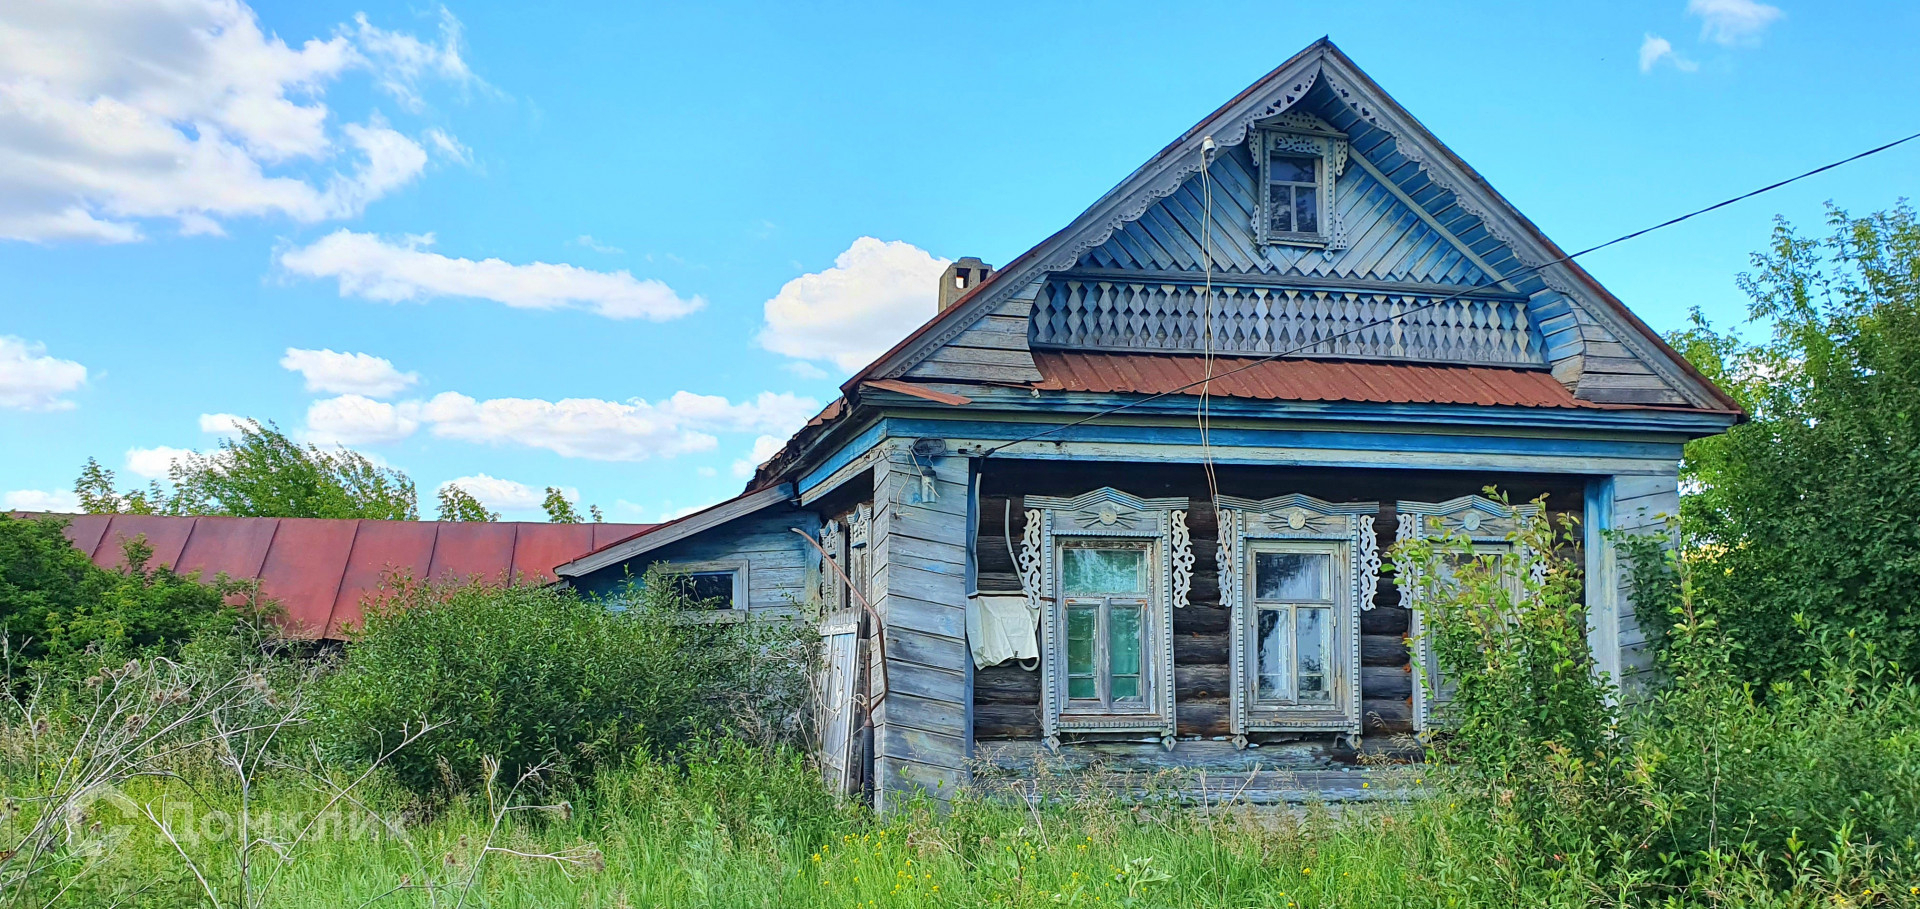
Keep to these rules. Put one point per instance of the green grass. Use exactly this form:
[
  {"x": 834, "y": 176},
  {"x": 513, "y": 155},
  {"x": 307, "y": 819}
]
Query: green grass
[{"x": 738, "y": 828}]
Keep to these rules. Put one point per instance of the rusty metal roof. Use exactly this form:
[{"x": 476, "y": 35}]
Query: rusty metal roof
[
  {"x": 319, "y": 571},
  {"x": 1302, "y": 379}
]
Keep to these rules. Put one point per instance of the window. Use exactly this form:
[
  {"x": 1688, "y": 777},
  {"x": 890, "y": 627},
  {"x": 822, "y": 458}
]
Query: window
[
  {"x": 1293, "y": 187},
  {"x": 717, "y": 585},
  {"x": 1106, "y": 570},
  {"x": 1488, "y": 526},
  {"x": 1293, "y": 627},
  {"x": 1106, "y": 589},
  {"x": 709, "y": 589},
  {"x": 1295, "y": 572},
  {"x": 1300, "y": 158}
]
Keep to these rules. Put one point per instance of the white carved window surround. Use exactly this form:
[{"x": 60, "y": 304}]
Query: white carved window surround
[
  {"x": 1106, "y": 570},
  {"x": 1300, "y": 159},
  {"x": 1490, "y": 527},
  {"x": 1295, "y": 573}
]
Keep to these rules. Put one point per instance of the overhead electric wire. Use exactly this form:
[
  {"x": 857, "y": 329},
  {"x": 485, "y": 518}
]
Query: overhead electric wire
[{"x": 1524, "y": 272}]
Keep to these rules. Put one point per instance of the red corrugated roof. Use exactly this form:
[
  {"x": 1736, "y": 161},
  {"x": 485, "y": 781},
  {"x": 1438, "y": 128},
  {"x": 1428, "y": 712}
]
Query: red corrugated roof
[
  {"x": 1301, "y": 379},
  {"x": 320, "y": 571}
]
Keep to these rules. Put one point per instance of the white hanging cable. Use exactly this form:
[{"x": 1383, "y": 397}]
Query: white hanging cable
[{"x": 1203, "y": 414}]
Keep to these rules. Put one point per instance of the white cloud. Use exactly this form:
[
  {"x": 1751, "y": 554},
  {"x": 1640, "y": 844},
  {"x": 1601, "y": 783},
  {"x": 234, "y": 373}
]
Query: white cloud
[
  {"x": 507, "y": 495},
  {"x": 874, "y": 295},
  {"x": 764, "y": 447},
  {"x": 806, "y": 370},
  {"x": 403, "y": 62},
  {"x": 1733, "y": 22},
  {"x": 587, "y": 241},
  {"x": 153, "y": 463},
  {"x": 707, "y": 471},
  {"x": 391, "y": 272},
  {"x": 1654, "y": 49},
  {"x": 223, "y": 424},
  {"x": 348, "y": 373},
  {"x": 114, "y": 113},
  {"x": 56, "y": 500},
  {"x": 31, "y": 380},
  {"x": 360, "y": 420},
  {"x": 604, "y": 430}
]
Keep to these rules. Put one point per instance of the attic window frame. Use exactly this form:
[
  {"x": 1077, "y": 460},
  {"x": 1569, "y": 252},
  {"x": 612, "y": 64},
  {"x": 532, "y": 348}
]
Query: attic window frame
[{"x": 1299, "y": 136}]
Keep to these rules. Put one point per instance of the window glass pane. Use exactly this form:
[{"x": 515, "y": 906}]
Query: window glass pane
[
  {"x": 1306, "y": 211},
  {"x": 1081, "y": 624},
  {"x": 1313, "y": 625},
  {"x": 1290, "y": 169},
  {"x": 1280, "y": 211},
  {"x": 1271, "y": 656},
  {"x": 1123, "y": 650},
  {"x": 707, "y": 589},
  {"x": 1291, "y": 575},
  {"x": 1091, "y": 571}
]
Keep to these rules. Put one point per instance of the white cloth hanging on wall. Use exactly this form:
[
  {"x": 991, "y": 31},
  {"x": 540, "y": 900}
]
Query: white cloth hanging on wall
[{"x": 1001, "y": 628}]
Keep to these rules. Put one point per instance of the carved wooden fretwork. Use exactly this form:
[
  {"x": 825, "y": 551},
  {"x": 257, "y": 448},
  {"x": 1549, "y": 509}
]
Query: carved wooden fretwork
[
  {"x": 1107, "y": 513},
  {"x": 1348, "y": 530},
  {"x": 1091, "y": 314},
  {"x": 832, "y": 593},
  {"x": 1488, "y": 526}
]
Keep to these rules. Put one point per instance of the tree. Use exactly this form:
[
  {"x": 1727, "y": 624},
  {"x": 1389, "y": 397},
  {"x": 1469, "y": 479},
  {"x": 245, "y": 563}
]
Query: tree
[
  {"x": 262, "y": 474},
  {"x": 559, "y": 510},
  {"x": 95, "y": 487},
  {"x": 1813, "y": 506},
  {"x": 457, "y": 504}
]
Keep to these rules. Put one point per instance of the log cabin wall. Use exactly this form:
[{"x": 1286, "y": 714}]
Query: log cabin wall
[{"x": 1007, "y": 697}]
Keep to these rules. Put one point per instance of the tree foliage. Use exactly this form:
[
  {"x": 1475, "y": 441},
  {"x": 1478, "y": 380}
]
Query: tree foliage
[
  {"x": 558, "y": 509},
  {"x": 457, "y": 504},
  {"x": 1813, "y": 506},
  {"x": 261, "y": 473},
  {"x": 56, "y": 605}
]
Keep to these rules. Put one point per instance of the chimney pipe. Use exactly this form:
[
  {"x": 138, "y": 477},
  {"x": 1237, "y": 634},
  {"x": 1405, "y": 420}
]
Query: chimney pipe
[{"x": 961, "y": 277}]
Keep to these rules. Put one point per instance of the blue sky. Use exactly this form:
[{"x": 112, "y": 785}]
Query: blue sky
[{"x": 676, "y": 198}]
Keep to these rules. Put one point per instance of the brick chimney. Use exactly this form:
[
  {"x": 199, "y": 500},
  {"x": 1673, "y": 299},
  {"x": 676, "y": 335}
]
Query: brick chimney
[{"x": 961, "y": 277}]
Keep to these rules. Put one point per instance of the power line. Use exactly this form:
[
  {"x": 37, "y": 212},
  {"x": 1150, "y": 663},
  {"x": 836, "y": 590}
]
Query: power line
[{"x": 1532, "y": 269}]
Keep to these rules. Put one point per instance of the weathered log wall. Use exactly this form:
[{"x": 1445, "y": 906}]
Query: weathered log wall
[{"x": 1007, "y": 697}]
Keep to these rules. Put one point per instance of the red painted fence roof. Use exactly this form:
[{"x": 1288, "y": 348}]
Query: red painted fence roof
[
  {"x": 320, "y": 571},
  {"x": 1302, "y": 380}
]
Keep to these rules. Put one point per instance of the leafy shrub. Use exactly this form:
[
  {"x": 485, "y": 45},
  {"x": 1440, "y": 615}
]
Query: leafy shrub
[
  {"x": 1529, "y": 730},
  {"x": 1783, "y": 771},
  {"x": 527, "y": 675},
  {"x": 1712, "y": 785},
  {"x": 61, "y": 612}
]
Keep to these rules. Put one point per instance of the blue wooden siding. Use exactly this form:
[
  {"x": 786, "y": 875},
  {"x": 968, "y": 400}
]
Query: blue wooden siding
[
  {"x": 781, "y": 567},
  {"x": 1386, "y": 241}
]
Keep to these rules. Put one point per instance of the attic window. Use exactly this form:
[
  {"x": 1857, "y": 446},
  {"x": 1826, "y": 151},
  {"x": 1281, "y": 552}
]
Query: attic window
[
  {"x": 1300, "y": 159},
  {"x": 1293, "y": 187}
]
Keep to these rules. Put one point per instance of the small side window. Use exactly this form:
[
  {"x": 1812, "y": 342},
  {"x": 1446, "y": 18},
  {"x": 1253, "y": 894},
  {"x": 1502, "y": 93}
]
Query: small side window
[
  {"x": 718, "y": 585},
  {"x": 709, "y": 589}
]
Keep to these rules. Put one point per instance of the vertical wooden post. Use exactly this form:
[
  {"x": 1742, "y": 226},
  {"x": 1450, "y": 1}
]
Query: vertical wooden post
[
  {"x": 1602, "y": 578},
  {"x": 1641, "y": 504},
  {"x": 919, "y": 558}
]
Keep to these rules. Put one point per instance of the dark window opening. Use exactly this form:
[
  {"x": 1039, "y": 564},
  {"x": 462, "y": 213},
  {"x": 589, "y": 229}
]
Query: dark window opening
[{"x": 707, "y": 589}]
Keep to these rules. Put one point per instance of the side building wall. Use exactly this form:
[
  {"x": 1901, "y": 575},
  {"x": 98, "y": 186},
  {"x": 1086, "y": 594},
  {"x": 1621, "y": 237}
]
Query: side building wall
[{"x": 919, "y": 539}]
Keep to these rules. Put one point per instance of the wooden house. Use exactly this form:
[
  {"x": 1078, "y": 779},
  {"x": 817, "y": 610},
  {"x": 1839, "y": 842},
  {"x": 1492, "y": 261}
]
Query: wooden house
[{"x": 1389, "y": 337}]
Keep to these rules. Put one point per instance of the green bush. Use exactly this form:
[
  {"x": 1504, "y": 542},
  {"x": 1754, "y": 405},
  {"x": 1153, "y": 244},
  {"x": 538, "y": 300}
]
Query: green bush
[
  {"x": 62, "y": 613},
  {"x": 528, "y": 675}
]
